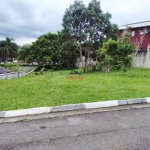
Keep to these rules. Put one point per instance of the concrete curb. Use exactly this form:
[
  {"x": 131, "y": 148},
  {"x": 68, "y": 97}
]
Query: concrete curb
[{"x": 45, "y": 110}]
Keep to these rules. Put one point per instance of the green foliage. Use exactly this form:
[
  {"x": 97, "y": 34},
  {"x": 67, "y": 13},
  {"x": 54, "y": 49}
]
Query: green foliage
[
  {"x": 55, "y": 51},
  {"x": 89, "y": 26},
  {"x": 12, "y": 67},
  {"x": 8, "y": 49},
  {"x": 115, "y": 55},
  {"x": 45, "y": 49},
  {"x": 68, "y": 50},
  {"x": 125, "y": 38},
  {"x": 24, "y": 53}
]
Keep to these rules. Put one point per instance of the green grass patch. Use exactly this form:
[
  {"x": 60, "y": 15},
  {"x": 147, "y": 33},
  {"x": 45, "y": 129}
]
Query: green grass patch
[{"x": 52, "y": 89}]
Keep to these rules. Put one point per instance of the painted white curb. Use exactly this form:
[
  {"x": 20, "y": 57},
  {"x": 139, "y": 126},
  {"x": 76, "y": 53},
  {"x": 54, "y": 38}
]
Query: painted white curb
[
  {"x": 42, "y": 110},
  {"x": 67, "y": 107},
  {"x": 100, "y": 104},
  {"x": 23, "y": 112},
  {"x": 148, "y": 100}
]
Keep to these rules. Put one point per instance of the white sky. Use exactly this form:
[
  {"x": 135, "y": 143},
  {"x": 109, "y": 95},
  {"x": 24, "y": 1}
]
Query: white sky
[{"x": 26, "y": 20}]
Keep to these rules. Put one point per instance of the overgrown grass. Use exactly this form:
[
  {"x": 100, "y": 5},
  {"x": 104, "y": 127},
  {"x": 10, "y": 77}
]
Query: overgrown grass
[{"x": 52, "y": 89}]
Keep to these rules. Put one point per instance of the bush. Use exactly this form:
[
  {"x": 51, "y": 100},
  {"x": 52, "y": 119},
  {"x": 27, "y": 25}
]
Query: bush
[
  {"x": 115, "y": 55},
  {"x": 10, "y": 66}
]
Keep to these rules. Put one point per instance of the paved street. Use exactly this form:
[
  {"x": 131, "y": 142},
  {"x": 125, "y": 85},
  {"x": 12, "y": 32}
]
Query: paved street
[{"x": 114, "y": 130}]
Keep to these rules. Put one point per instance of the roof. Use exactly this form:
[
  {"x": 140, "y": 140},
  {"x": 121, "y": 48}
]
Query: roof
[
  {"x": 135, "y": 25},
  {"x": 3, "y": 71}
]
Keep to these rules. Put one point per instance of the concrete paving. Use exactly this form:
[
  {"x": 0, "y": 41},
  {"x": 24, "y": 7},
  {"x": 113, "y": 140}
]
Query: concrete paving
[{"x": 123, "y": 129}]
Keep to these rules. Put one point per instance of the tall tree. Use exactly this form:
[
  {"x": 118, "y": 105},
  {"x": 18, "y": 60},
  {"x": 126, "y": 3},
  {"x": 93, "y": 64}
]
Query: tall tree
[
  {"x": 55, "y": 50},
  {"x": 68, "y": 50},
  {"x": 8, "y": 48},
  {"x": 89, "y": 27}
]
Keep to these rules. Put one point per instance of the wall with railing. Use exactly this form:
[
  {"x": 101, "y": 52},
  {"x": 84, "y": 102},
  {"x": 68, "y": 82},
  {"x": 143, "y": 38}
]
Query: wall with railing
[{"x": 12, "y": 75}]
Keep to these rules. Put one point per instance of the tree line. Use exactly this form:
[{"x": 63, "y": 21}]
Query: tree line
[{"x": 87, "y": 33}]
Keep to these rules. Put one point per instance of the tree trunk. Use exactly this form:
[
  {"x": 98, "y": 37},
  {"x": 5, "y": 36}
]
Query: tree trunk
[
  {"x": 80, "y": 50},
  {"x": 74, "y": 62},
  {"x": 87, "y": 56},
  {"x": 86, "y": 66}
]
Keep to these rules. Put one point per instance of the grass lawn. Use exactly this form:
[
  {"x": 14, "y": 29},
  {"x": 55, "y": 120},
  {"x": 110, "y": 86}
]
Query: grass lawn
[{"x": 52, "y": 89}]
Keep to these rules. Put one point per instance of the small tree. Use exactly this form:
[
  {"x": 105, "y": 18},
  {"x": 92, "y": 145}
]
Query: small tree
[
  {"x": 115, "y": 55},
  {"x": 105, "y": 55},
  {"x": 125, "y": 38}
]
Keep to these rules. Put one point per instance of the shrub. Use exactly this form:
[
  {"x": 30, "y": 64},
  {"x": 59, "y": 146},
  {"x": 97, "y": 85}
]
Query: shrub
[{"x": 115, "y": 55}]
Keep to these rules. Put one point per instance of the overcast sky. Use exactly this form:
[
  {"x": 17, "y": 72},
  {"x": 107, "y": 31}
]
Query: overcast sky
[{"x": 26, "y": 20}]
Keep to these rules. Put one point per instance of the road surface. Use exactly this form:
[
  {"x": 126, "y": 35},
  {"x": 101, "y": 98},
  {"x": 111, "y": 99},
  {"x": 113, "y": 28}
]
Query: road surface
[{"x": 114, "y": 130}]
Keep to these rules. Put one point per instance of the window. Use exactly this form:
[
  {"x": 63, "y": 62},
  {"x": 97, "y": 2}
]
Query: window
[
  {"x": 145, "y": 31},
  {"x": 142, "y": 32},
  {"x": 132, "y": 33}
]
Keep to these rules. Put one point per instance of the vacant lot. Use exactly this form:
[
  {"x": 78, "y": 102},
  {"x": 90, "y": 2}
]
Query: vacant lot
[{"x": 52, "y": 88}]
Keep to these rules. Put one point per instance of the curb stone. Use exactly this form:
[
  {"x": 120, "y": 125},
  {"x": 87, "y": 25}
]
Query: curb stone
[
  {"x": 43, "y": 110},
  {"x": 137, "y": 101}
]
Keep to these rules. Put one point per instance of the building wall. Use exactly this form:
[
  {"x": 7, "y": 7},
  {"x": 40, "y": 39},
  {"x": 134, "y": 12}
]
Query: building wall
[
  {"x": 91, "y": 62},
  {"x": 26, "y": 68},
  {"x": 142, "y": 59},
  {"x": 137, "y": 37}
]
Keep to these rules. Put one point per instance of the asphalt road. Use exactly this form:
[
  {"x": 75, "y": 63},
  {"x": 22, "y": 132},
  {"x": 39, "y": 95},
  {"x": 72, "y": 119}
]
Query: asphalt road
[{"x": 115, "y": 130}]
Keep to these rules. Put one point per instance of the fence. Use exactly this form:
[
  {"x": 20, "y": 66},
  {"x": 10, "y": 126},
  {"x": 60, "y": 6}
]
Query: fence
[{"x": 12, "y": 75}]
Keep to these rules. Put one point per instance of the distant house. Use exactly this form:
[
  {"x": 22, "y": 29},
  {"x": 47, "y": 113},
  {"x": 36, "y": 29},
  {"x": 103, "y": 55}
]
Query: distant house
[{"x": 138, "y": 31}]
